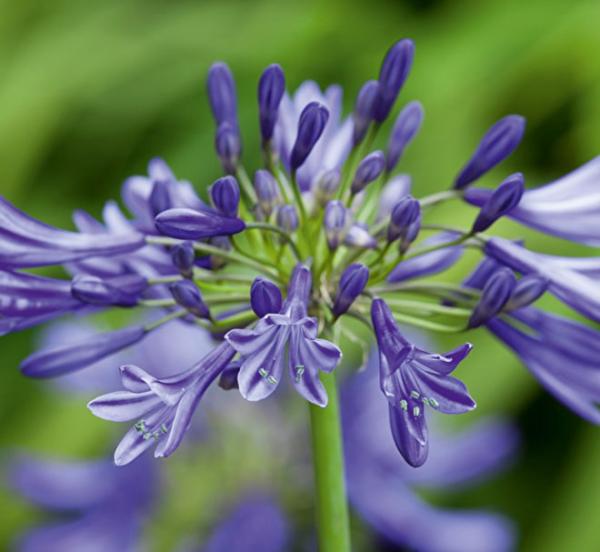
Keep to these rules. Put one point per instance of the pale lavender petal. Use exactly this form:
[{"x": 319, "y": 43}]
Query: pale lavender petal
[{"x": 124, "y": 406}]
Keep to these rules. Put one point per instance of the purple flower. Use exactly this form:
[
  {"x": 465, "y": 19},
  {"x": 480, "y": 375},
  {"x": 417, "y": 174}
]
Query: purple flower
[
  {"x": 394, "y": 190},
  {"x": 553, "y": 208},
  {"x": 189, "y": 224},
  {"x": 494, "y": 296},
  {"x": 495, "y": 146},
  {"x": 228, "y": 146},
  {"x": 403, "y": 215},
  {"x": 287, "y": 218},
  {"x": 184, "y": 257},
  {"x": 405, "y": 129},
  {"x": 271, "y": 88},
  {"x": 383, "y": 489},
  {"x": 333, "y": 147},
  {"x": 326, "y": 186},
  {"x": 221, "y": 93},
  {"x": 267, "y": 191},
  {"x": 263, "y": 349},
  {"x": 363, "y": 110},
  {"x": 26, "y": 242},
  {"x": 163, "y": 407},
  {"x": 102, "y": 507},
  {"x": 256, "y": 524},
  {"x": 368, "y": 170},
  {"x": 187, "y": 295},
  {"x": 394, "y": 71},
  {"x": 310, "y": 127},
  {"x": 340, "y": 228},
  {"x": 225, "y": 195},
  {"x": 501, "y": 202},
  {"x": 352, "y": 283},
  {"x": 265, "y": 297},
  {"x": 411, "y": 378}
]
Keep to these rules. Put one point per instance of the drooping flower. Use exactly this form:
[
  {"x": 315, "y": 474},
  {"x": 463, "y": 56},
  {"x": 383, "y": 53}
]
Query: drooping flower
[
  {"x": 263, "y": 349},
  {"x": 411, "y": 379}
]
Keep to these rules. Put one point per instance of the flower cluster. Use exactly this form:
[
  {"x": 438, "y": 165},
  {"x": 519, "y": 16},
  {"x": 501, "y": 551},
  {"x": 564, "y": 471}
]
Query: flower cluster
[{"x": 329, "y": 223}]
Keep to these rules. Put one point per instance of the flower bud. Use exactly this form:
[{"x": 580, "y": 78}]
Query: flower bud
[
  {"x": 496, "y": 145},
  {"x": 394, "y": 70},
  {"x": 363, "y": 111},
  {"x": 228, "y": 146},
  {"x": 267, "y": 191},
  {"x": 122, "y": 290},
  {"x": 184, "y": 256},
  {"x": 287, "y": 218},
  {"x": 368, "y": 170},
  {"x": 326, "y": 186},
  {"x": 265, "y": 297},
  {"x": 411, "y": 235},
  {"x": 502, "y": 201},
  {"x": 494, "y": 296},
  {"x": 337, "y": 221},
  {"x": 352, "y": 283},
  {"x": 225, "y": 195},
  {"x": 312, "y": 122},
  {"x": 221, "y": 93},
  {"x": 187, "y": 295},
  {"x": 190, "y": 224},
  {"x": 159, "y": 199},
  {"x": 358, "y": 236},
  {"x": 271, "y": 87},
  {"x": 405, "y": 129},
  {"x": 403, "y": 215},
  {"x": 528, "y": 290},
  {"x": 392, "y": 193}
]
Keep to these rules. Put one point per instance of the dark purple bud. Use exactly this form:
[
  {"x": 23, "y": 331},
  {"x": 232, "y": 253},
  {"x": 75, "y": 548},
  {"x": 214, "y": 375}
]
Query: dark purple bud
[
  {"x": 228, "y": 146},
  {"x": 56, "y": 361},
  {"x": 494, "y": 296},
  {"x": 528, "y": 290},
  {"x": 123, "y": 290},
  {"x": 368, "y": 170},
  {"x": 312, "y": 122},
  {"x": 405, "y": 129},
  {"x": 159, "y": 199},
  {"x": 229, "y": 376},
  {"x": 392, "y": 193},
  {"x": 337, "y": 221},
  {"x": 189, "y": 224},
  {"x": 403, "y": 215},
  {"x": 187, "y": 295},
  {"x": 221, "y": 93},
  {"x": 502, "y": 201},
  {"x": 496, "y": 145},
  {"x": 411, "y": 234},
  {"x": 184, "y": 258},
  {"x": 265, "y": 297},
  {"x": 225, "y": 195},
  {"x": 271, "y": 87},
  {"x": 287, "y": 218},
  {"x": 326, "y": 186},
  {"x": 363, "y": 111},
  {"x": 352, "y": 283},
  {"x": 394, "y": 70},
  {"x": 267, "y": 191}
]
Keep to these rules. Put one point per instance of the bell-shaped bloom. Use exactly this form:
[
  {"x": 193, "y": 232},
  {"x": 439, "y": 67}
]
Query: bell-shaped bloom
[
  {"x": 271, "y": 88},
  {"x": 265, "y": 297},
  {"x": 225, "y": 195},
  {"x": 494, "y": 296},
  {"x": 56, "y": 361},
  {"x": 553, "y": 208},
  {"x": 310, "y": 127},
  {"x": 495, "y": 146},
  {"x": 26, "y": 242},
  {"x": 352, "y": 283},
  {"x": 411, "y": 379},
  {"x": 256, "y": 524},
  {"x": 368, "y": 170},
  {"x": 189, "y": 224},
  {"x": 384, "y": 491},
  {"x": 363, "y": 110},
  {"x": 334, "y": 145},
  {"x": 163, "y": 407},
  {"x": 394, "y": 71},
  {"x": 98, "y": 507},
  {"x": 500, "y": 202},
  {"x": 263, "y": 349},
  {"x": 405, "y": 129},
  {"x": 574, "y": 287}
]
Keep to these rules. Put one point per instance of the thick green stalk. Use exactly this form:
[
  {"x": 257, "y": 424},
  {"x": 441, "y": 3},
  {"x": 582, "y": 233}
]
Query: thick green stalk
[{"x": 328, "y": 460}]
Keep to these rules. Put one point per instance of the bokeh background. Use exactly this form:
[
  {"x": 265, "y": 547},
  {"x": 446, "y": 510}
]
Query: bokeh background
[{"x": 89, "y": 92}]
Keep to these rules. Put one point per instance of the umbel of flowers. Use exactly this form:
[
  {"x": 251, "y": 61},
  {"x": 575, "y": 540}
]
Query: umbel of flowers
[{"x": 280, "y": 264}]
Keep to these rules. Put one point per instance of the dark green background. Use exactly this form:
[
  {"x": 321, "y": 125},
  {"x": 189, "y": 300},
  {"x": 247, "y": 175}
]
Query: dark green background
[{"x": 90, "y": 91}]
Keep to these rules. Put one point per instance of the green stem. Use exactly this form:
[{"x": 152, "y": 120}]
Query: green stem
[
  {"x": 328, "y": 461},
  {"x": 276, "y": 230}
]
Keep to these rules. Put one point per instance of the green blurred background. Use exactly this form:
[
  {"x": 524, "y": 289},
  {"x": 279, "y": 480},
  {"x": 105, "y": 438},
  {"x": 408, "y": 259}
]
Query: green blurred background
[{"x": 89, "y": 92}]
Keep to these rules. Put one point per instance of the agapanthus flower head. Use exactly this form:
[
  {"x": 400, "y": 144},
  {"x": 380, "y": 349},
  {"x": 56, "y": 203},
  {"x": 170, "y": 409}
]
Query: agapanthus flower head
[{"x": 412, "y": 379}]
